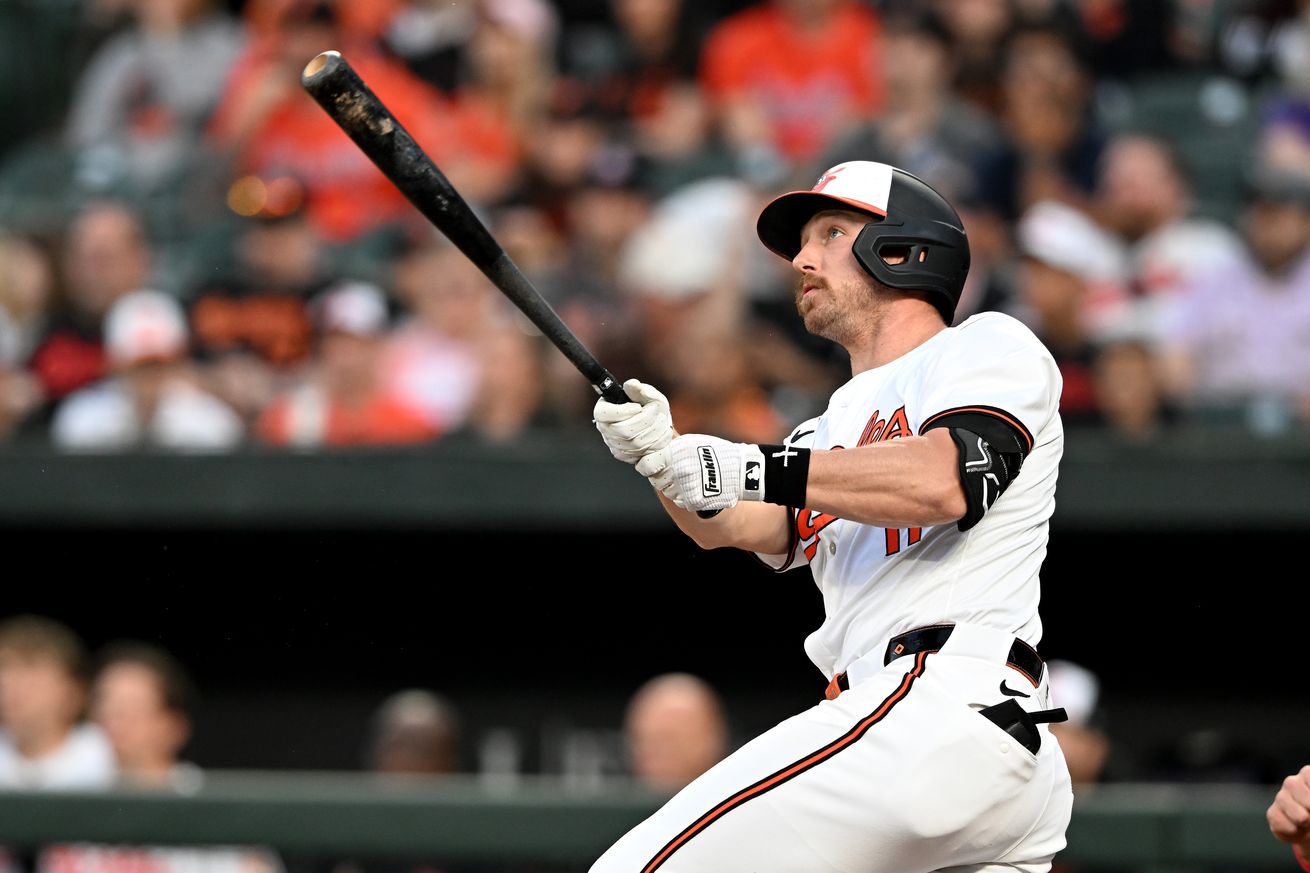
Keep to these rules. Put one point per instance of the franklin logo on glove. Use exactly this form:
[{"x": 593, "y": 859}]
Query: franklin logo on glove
[{"x": 709, "y": 472}]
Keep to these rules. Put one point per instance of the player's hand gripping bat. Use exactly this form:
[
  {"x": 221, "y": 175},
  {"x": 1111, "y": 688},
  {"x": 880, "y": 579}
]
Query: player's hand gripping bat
[{"x": 336, "y": 86}]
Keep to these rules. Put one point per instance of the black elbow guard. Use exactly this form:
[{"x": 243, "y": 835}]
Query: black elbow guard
[{"x": 986, "y": 470}]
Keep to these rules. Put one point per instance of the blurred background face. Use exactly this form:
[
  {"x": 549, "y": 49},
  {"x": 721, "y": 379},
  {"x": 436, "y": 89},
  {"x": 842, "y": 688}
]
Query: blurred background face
[
  {"x": 1278, "y": 233},
  {"x": 913, "y": 63},
  {"x": 350, "y": 362},
  {"x": 105, "y": 258},
  {"x": 39, "y": 698},
  {"x": 647, "y": 21},
  {"x": 1127, "y": 386},
  {"x": 678, "y": 124},
  {"x": 1045, "y": 92},
  {"x": 675, "y": 733},
  {"x": 445, "y": 291},
  {"x": 1139, "y": 188},
  {"x": 127, "y": 701},
  {"x": 281, "y": 254},
  {"x": 974, "y": 22},
  {"x": 26, "y": 278}
]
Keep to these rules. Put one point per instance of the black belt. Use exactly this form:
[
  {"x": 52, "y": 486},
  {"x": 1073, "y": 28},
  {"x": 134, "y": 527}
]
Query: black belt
[{"x": 931, "y": 638}]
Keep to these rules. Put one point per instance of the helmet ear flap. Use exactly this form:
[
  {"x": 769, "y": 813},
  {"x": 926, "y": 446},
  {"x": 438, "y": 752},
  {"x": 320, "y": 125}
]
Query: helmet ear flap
[{"x": 936, "y": 258}]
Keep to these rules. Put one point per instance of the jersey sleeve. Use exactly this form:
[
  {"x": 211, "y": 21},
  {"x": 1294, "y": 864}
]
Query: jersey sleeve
[
  {"x": 802, "y": 437},
  {"x": 996, "y": 374}
]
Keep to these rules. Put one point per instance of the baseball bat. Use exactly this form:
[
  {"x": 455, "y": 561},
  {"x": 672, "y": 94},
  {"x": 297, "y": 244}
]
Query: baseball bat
[{"x": 336, "y": 86}]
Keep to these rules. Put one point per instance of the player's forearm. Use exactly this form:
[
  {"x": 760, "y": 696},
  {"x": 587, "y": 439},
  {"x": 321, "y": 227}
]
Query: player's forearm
[
  {"x": 755, "y": 527},
  {"x": 908, "y": 482}
]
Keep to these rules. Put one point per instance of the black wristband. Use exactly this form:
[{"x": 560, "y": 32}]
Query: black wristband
[{"x": 786, "y": 474}]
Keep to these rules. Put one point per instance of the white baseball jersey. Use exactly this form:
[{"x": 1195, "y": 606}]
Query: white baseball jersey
[{"x": 877, "y": 583}]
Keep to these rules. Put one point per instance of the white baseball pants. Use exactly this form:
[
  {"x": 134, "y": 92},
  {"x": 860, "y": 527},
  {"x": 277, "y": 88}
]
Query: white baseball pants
[{"x": 899, "y": 774}]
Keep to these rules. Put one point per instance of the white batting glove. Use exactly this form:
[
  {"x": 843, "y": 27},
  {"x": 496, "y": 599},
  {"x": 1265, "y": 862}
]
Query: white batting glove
[
  {"x": 635, "y": 429},
  {"x": 705, "y": 473}
]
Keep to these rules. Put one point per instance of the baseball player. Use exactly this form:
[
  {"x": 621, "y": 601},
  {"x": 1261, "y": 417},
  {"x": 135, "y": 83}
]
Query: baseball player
[{"x": 920, "y": 500}]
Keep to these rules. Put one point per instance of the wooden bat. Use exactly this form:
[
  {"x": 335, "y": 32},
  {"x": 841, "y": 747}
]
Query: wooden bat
[{"x": 336, "y": 86}]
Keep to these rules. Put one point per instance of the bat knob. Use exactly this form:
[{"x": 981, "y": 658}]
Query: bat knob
[{"x": 320, "y": 63}]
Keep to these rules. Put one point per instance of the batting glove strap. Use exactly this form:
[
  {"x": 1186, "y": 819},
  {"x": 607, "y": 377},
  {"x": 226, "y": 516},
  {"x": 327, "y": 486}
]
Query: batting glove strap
[{"x": 785, "y": 474}]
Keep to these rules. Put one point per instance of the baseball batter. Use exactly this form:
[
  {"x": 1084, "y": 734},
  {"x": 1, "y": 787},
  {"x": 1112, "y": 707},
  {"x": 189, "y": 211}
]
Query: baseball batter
[{"x": 920, "y": 500}]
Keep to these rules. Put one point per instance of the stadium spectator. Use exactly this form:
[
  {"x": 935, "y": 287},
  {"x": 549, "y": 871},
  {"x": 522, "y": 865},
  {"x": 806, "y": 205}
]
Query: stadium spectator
[
  {"x": 681, "y": 272},
  {"x": 1069, "y": 290},
  {"x": 27, "y": 285},
  {"x": 1235, "y": 347},
  {"x": 510, "y": 68},
  {"x": 45, "y": 743},
  {"x": 139, "y": 108},
  {"x": 343, "y": 399},
  {"x": 153, "y": 397},
  {"x": 627, "y": 64},
  {"x": 416, "y": 732},
  {"x": 924, "y": 128},
  {"x": 250, "y": 320},
  {"x": 459, "y": 360},
  {"x": 1082, "y": 738},
  {"x": 1129, "y": 386},
  {"x": 785, "y": 76},
  {"x": 1289, "y": 815},
  {"x": 105, "y": 255},
  {"x": 269, "y": 127},
  {"x": 675, "y": 728},
  {"x": 1143, "y": 195},
  {"x": 677, "y": 141},
  {"x": 1054, "y": 141},
  {"x": 978, "y": 30},
  {"x": 142, "y": 698}
]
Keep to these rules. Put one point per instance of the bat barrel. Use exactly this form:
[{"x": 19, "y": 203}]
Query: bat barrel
[{"x": 333, "y": 82}]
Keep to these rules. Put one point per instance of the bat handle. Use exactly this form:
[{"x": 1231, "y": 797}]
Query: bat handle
[
  {"x": 708, "y": 513},
  {"x": 609, "y": 388}
]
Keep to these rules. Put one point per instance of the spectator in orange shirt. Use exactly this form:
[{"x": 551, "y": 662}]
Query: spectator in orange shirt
[
  {"x": 270, "y": 127},
  {"x": 343, "y": 401},
  {"x": 787, "y": 75}
]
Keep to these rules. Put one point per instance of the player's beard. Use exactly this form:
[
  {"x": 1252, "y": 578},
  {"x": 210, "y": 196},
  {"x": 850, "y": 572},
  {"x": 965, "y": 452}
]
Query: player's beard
[{"x": 835, "y": 313}]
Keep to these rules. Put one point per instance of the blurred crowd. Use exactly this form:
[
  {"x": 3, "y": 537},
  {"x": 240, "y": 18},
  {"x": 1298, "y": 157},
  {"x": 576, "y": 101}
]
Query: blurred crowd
[
  {"x": 198, "y": 259},
  {"x": 72, "y": 719},
  {"x": 122, "y": 716}
]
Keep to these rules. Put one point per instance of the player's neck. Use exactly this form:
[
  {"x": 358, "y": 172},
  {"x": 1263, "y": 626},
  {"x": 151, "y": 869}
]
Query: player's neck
[{"x": 891, "y": 332}]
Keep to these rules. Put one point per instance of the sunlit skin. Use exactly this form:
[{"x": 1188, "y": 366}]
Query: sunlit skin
[{"x": 907, "y": 482}]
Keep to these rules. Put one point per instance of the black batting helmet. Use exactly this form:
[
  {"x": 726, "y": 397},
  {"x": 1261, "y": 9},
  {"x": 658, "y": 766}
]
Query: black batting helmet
[{"x": 907, "y": 215}]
